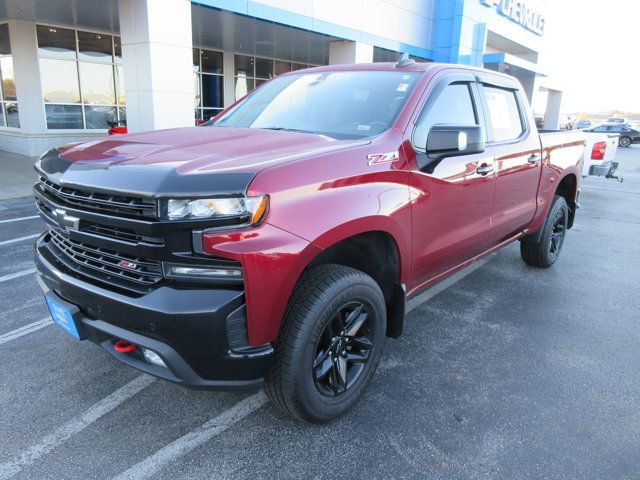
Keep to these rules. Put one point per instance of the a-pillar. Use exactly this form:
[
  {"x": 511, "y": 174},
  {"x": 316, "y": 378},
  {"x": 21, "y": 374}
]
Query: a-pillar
[{"x": 157, "y": 56}]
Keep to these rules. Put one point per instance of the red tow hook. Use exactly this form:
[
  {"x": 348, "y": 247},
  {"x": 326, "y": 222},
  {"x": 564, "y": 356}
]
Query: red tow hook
[{"x": 123, "y": 346}]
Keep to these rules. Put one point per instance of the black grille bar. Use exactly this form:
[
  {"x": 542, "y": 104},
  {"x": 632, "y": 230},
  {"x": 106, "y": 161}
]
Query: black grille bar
[
  {"x": 100, "y": 202},
  {"x": 108, "y": 264}
]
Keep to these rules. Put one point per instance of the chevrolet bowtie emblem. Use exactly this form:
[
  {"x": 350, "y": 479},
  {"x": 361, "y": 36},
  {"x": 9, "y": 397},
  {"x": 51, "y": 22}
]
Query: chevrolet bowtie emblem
[{"x": 66, "y": 222}]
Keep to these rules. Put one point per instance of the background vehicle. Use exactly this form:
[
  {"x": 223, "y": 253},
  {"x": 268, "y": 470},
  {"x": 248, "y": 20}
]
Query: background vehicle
[
  {"x": 599, "y": 155},
  {"x": 117, "y": 128},
  {"x": 627, "y": 134},
  {"x": 616, "y": 120},
  {"x": 582, "y": 124},
  {"x": 281, "y": 243}
]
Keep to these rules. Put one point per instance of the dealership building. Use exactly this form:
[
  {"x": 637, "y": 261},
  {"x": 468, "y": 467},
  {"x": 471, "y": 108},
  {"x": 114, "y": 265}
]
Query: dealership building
[{"x": 69, "y": 67}]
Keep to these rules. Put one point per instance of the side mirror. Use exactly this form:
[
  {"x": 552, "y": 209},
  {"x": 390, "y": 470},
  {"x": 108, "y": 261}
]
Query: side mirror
[{"x": 454, "y": 140}]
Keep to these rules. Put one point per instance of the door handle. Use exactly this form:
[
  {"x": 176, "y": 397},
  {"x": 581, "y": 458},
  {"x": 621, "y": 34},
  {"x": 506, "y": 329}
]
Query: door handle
[
  {"x": 484, "y": 169},
  {"x": 533, "y": 159}
]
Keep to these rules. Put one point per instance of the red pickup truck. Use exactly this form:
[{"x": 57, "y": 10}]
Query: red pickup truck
[{"x": 279, "y": 245}]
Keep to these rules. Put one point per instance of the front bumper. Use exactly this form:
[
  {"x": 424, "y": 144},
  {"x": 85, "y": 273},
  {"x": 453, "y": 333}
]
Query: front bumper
[{"x": 190, "y": 328}]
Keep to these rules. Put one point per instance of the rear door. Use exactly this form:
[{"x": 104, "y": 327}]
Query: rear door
[
  {"x": 516, "y": 147},
  {"x": 451, "y": 205}
]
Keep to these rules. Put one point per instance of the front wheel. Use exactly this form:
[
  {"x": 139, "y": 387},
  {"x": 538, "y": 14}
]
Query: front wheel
[
  {"x": 330, "y": 344},
  {"x": 624, "y": 141},
  {"x": 544, "y": 253}
]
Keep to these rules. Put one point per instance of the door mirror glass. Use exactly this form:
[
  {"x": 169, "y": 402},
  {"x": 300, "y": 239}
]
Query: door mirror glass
[{"x": 454, "y": 140}]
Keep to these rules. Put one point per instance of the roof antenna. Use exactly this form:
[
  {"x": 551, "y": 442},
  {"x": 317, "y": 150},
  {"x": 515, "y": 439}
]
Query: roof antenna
[{"x": 405, "y": 61}]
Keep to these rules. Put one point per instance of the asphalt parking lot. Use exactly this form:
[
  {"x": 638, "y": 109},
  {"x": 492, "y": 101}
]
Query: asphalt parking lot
[{"x": 508, "y": 372}]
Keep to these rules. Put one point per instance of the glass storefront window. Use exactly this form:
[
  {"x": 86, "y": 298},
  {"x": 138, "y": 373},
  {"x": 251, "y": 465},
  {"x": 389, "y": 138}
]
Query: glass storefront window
[
  {"x": 97, "y": 117},
  {"x": 117, "y": 50},
  {"x": 282, "y": 67},
  {"x": 120, "y": 94},
  {"x": 212, "y": 91},
  {"x": 59, "y": 80},
  {"x": 63, "y": 116},
  {"x": 211, "y": 62},
  {"x": 264, "y": 68},
  {"x": 54, "y": 42},
  {"x": 244, "y": 65},
  {"x": 8, "y": 97},
  {"x": 82, "y": 81},
  {"x": 8, "y": 79},
  {"x": 95, "y": 47},
  {"x": 97, "y": 84},
  {"x": 11, "y": 110},
  {"x": 5, "y": 44},
  {"x": 208, "y": 83},
  {"x": 251, "y": 72}
]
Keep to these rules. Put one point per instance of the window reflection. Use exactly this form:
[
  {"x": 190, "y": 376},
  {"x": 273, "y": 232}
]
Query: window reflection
[
  {"x": 55, "y": 42},
  {"x": 97, "y": 84},
  {"x": 59, "y": 79},
  {"x": 82, "y": 81},
  {"x": 8, "y": 105},
  {"x": 95, "y": 47},
  {"x": 98, "y": 117},
  {"x": 208, "y": 68},
  {"x": 63, "y": 116}
]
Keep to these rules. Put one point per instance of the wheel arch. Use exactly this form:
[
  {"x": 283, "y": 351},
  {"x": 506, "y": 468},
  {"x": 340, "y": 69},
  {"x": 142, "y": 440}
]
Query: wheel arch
[
  {"x": 568, "y": 189},
  {"x": 376, "y": 253}
]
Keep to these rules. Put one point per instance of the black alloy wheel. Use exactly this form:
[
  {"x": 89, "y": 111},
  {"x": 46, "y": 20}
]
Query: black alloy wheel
[
  {"x": 558, "y": 231},
  {"x": 330, "y": 343},
  {"x": 342, "y": 350},
  {"x": 624, "y": 141}
]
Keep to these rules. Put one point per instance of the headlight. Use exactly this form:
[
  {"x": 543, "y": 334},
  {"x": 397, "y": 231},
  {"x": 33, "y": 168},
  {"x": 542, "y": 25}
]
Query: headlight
[{"x": 246, "y": 210}]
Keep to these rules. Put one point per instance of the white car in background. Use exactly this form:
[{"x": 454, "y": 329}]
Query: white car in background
[{"x": 599, "y": 154}]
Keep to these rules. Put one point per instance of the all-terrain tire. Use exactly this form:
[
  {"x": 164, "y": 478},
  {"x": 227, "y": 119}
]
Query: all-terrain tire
[{"x": 314, "y": 307}]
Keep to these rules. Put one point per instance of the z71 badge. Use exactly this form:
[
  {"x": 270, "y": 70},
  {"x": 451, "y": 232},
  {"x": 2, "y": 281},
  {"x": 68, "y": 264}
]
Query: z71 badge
[{"x": 378, "y": 158}]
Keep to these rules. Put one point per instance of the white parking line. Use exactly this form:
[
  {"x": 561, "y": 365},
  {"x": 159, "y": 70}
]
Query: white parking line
[
  {"x": 22, "y": 273},
  {"x": 167, "y": 454},
  {"x": 19, "y": 239},
  {"x": 22, "y": 331},
  {"x": 63, "y": 433},
  {"x": 19, "y": 219}
]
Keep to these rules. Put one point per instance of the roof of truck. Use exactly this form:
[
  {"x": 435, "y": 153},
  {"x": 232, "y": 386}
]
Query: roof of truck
[{"x": 391, "y": 66}]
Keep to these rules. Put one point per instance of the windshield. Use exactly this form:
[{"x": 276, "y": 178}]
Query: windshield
[{"x": 350, "y": 104}]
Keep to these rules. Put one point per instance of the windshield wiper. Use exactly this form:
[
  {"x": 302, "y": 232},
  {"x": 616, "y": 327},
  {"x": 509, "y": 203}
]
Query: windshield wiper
[{"x": 283, "y": 129}]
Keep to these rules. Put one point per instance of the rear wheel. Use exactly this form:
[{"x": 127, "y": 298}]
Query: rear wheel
[
  {"x": 624, "y": 141},
  {"x": 544, "y": 253},
  {"x": 330, "y": 344}
]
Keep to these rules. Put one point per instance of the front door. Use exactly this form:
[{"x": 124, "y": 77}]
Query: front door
[{"x": 452, "y": 196}]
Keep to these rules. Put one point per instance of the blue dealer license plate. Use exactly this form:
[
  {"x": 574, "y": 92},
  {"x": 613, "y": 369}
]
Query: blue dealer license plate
[{"x": 63, "y": 318}]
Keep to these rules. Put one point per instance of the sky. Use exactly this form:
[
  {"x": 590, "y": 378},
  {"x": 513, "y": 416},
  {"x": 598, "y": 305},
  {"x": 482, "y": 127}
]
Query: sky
[{"x": 593, "y": 51}]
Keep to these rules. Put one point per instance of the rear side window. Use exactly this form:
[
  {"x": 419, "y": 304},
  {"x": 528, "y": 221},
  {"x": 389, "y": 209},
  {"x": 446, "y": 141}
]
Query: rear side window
[
  {"x": 454, "y": 107},
  {"x": 504, "y": 114}
]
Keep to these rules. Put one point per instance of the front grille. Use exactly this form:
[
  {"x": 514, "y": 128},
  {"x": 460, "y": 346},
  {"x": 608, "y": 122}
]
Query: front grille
[
  {"x": 125, "y": 271},
  {"x": 99, "y": 202},
  {"x": 119, "y": 233}
]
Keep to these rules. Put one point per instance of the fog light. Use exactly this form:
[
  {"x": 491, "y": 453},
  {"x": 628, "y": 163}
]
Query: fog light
[{"x": 152, "y": 357}]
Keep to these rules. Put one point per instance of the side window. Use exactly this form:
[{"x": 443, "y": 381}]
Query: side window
[
  {"x": 504, "y": 114},
  {"x": 454, "y": 106}
]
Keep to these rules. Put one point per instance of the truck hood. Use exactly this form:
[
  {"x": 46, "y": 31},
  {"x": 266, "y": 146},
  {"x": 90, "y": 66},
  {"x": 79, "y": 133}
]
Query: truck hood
[{"x": 181, "y": 162}]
